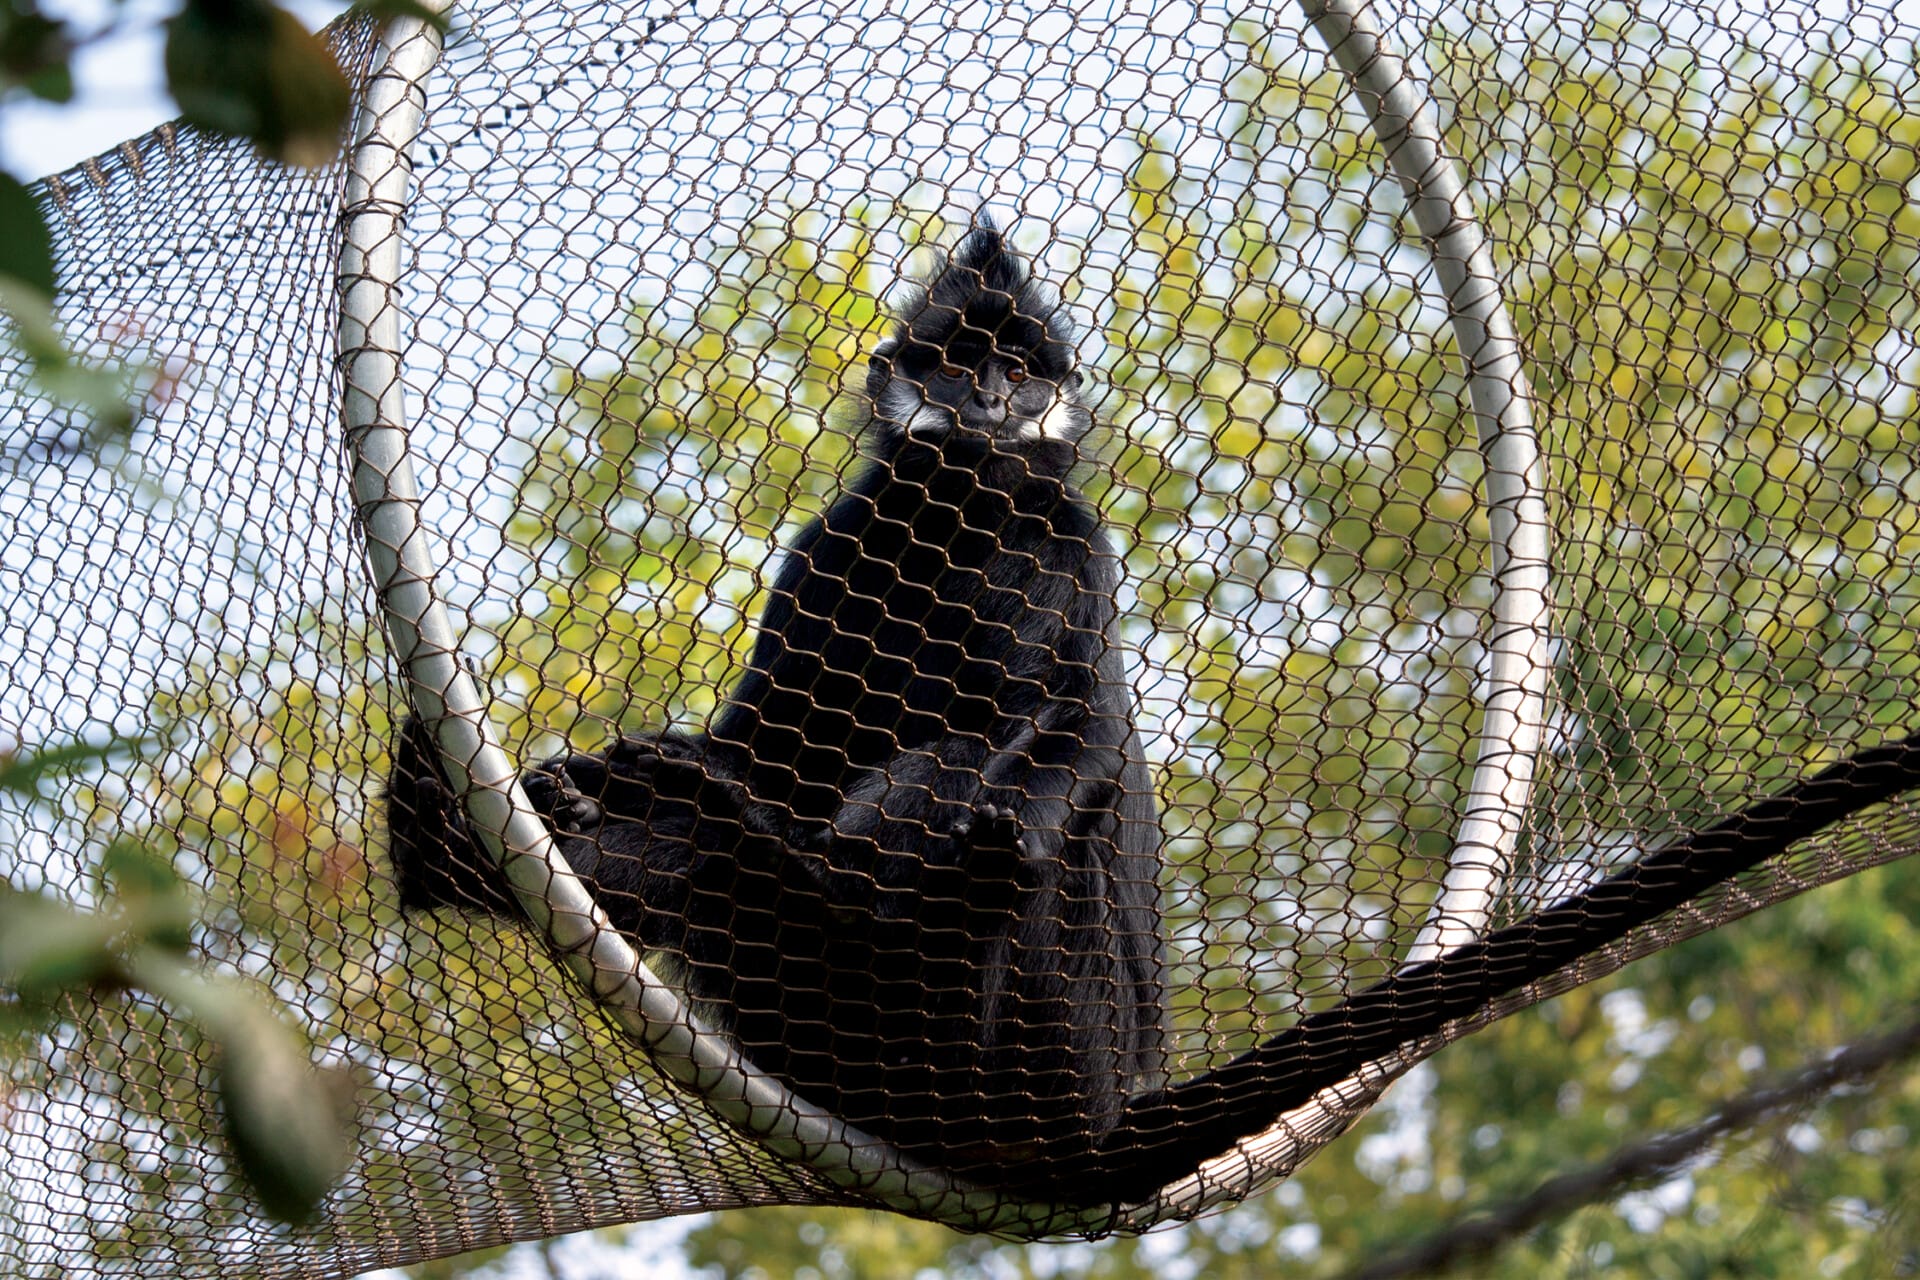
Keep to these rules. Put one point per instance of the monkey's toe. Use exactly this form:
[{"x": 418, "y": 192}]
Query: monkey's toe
[{"x": 998, "y": 828}]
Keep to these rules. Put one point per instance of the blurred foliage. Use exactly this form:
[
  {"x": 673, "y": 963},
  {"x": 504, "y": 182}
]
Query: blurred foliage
[
  {"x": 243, "y": 69},
  {"x": 203, "y": 1050},
  {"x": 287, "y": 1125},
  {"x": 248, "y": 69}
]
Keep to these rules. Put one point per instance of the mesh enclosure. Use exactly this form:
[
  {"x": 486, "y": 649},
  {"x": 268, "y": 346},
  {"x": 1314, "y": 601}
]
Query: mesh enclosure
[{"x": 648, "y": 254}]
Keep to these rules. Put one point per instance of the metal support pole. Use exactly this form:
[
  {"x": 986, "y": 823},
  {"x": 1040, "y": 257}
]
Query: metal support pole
[
  {"x": 1518, "y": 641},
  {"x": 1518, "y": 644},
  {"x": 387, "y": 502}
]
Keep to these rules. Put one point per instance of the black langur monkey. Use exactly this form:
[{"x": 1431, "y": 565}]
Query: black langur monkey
[{"x": 912, "y": 864}]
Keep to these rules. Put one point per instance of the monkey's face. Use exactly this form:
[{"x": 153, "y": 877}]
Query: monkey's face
[
  {"x": 981, "y": 353},
  {"x": 973, "y": 390}
]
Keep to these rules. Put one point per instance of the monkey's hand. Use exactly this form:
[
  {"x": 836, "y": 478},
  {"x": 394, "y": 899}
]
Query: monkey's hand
[
  {"x": 991, "y": 835},
  {"x": 557, "y": 795},
  {"x": 989, "y": 841},
  {"x": 662, "y": 780},
  {"x": 988, "y": 866},
  {"x": 996, "y": 850},
  {"x": 436, "y": 861}
]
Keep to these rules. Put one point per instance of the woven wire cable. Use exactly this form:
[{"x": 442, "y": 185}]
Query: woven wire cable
[{"x": 645, "y": 247}]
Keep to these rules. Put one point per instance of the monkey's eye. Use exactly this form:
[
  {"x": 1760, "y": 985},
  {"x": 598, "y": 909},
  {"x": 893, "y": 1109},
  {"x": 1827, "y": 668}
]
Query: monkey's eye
[
  {"x": 1016, "y": 373},
  {"x": 952, "y": 371}
]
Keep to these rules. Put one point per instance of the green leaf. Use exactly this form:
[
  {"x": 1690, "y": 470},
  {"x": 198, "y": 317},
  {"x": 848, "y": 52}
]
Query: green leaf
[
  {"x": 135, "y": 871},
  {"x": 105, "y": 394},
  {"x": 26, "y": 245},
  {"x": 52, "y": 84},
  {"x": 287, "y": 1121},
  {"x": 248, "y": 69},
  {"x": 21, "y": 773},
  {"x": 153, "y": 902},
  {"x": 35, "y": 52},
  {"x": 47, "y": 948}
]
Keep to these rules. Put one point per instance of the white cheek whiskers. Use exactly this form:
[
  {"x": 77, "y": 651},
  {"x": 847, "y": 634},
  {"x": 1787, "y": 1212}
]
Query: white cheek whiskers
[
  {"x": 911, "y": 412},
  {"x": 1061, "y": 421},
  {"x": 929, "y": 420}
]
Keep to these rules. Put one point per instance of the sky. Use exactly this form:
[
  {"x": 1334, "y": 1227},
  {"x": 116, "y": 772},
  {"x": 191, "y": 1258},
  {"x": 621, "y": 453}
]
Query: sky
[{"x": 119, "y": 85}]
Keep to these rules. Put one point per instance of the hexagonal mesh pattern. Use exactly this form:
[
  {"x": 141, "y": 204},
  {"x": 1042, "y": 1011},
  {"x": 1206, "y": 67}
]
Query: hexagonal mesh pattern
[{"x": 650, "y": 250}]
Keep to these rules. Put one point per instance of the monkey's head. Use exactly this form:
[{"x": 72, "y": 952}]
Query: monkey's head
[{"x": 981, "y": 353}]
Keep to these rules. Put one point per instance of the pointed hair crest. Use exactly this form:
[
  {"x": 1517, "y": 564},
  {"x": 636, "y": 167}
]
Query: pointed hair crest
[{"x": 987, "y": 285}]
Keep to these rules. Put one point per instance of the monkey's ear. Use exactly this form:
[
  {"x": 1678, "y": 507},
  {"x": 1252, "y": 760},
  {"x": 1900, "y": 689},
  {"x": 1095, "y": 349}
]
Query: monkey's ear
[{"x": 880, "y": 367}]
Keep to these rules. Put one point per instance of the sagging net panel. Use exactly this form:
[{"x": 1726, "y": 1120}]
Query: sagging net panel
[{"x": 649, "y": 257}]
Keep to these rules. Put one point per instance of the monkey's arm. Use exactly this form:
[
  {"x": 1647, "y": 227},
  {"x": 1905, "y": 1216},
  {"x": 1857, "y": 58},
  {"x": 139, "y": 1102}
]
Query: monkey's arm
[
  {"x": 967, "y": 877},
  {"x": 957, "y": 835}
]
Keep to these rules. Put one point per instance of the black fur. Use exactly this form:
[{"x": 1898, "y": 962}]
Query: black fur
[{"x": 912, "y": 864}]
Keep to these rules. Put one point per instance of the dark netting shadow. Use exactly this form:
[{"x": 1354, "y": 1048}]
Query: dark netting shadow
[{"x": 1333, "y": 551}]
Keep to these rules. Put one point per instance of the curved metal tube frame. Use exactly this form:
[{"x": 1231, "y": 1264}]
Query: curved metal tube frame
[
  {"x": 386, "y": 498},
  {"x": 1519, "y": 659},
  {"x": 649, "y": 1011}
]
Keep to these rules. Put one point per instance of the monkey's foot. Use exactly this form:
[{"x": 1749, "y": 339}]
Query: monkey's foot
[
  {"x": 434, "y": 858},
  {"x": 992, "y": 830},
  {"x": 419, "y": 791}
]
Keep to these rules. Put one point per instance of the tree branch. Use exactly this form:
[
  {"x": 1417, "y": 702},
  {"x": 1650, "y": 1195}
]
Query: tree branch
[{"x": 1477, "y": 1234}]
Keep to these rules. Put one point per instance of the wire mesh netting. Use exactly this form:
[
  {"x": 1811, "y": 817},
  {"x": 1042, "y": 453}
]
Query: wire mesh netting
[{"x": 649, "y": 254}]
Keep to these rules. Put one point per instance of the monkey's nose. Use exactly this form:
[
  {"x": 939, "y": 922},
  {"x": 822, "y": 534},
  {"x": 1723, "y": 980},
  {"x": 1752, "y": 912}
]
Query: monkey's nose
[{"x": 990, "y": 404}]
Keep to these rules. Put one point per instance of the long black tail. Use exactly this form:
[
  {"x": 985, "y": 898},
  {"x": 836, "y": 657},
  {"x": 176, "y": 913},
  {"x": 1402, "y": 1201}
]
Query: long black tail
[{"x": 1176, "y": 1128}]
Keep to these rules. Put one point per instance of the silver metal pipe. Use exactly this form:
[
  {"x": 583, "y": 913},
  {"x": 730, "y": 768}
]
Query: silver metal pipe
[
  {"x": 1518, "y": 644},
  {"x": 399, "y": 558},
  {"x": 1515, "y": 713}
]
